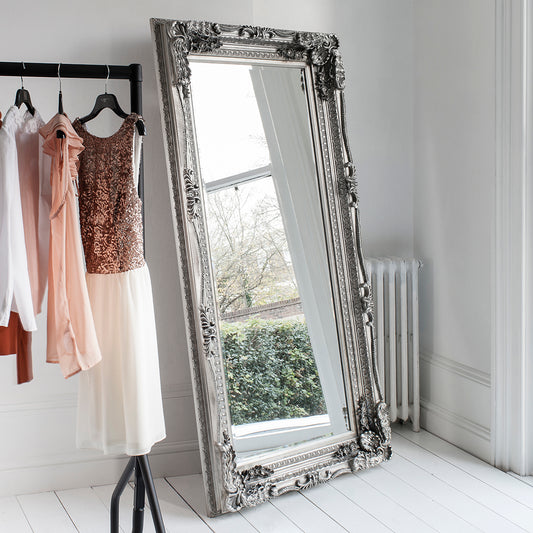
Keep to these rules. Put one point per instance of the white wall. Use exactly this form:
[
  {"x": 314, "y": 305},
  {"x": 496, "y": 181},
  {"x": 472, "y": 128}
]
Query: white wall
[
  {"x": 376, "y": 38},
  {"x": 37, "y": 448},
  {"x": 454, "y": 140}
]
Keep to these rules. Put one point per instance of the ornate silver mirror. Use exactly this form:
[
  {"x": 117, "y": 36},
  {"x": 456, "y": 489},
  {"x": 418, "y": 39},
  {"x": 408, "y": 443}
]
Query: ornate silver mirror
[{"x": 276, "y": 298}]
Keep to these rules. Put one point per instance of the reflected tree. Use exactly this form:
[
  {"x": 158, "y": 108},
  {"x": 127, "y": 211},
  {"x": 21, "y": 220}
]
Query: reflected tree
[{"x": 249, "y": 249}]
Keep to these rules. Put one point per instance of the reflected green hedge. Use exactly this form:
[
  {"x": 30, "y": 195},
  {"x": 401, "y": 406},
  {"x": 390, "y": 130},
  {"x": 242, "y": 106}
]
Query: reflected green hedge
[{"x": 270, "y": 370}]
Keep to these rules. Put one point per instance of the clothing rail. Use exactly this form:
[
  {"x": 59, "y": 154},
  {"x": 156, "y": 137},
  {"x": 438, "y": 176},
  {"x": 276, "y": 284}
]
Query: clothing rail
[
  {"x": 137, "y": 465},
  {"x": 132, "y": 72}
]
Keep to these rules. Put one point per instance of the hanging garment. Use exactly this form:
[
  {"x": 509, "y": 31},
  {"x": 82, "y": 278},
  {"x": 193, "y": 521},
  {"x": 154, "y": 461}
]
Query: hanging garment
[
  {"x": 35, "y": 195},
  {"x": 35, "y": 205},
  {"x": 71, "y": 334},
  {"x": 15, "y": 340},
  {"x": 120, "y": 409},
  {"x": 15, "y": 290}
]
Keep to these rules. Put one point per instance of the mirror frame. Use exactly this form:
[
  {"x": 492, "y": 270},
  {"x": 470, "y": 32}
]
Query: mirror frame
[{"x": 231, "y": 486}]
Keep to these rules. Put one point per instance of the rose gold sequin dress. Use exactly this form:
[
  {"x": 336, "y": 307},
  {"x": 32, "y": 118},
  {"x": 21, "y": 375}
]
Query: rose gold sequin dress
[{"x": 120, "y": 408}]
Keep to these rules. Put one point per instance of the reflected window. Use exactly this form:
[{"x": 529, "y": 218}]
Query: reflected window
[{"x": 270, "y": 366}]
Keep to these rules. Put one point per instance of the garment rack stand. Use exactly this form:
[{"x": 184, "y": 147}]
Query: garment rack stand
[{"x": 138, "y": 465}]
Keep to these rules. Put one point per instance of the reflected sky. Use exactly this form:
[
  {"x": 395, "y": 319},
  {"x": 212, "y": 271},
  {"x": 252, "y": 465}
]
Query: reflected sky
[{"x": 235, "y": 141}]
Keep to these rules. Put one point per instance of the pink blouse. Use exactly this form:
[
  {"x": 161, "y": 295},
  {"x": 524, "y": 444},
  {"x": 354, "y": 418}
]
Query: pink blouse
[
  {"x": 72, "y": 338},
  {"x": 34, "y": 174}
]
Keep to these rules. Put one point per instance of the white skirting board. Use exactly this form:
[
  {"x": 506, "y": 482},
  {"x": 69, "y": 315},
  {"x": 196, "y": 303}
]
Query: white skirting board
[
  {"x": 107, "y": 470},
  {"x": 454, "y": 397},
  {"x": 35, "y": 458}
]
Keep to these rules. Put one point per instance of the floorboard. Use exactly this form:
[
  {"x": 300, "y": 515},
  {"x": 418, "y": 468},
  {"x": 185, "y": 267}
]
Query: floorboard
[
  {"x": 418, "y": 503},
  {"x": 308, "y": 516},
  {"x": 343, "y": 510},
  {"x": 191, "y": 489},
  {"x": 376, "y": 504},
  {"x": 85, "y": 509},
  {"x": 524, "y": 479},
  {"x": 178, "y": 515},
  {"x": 45, "y": 514},
  {"x": 476, "y": 489},
  {"x": 12, "y": 517},
  {"x": 268, "y": 519},
  {"x": 447, "y": 496},
  {"x": 481, "y": 470}
]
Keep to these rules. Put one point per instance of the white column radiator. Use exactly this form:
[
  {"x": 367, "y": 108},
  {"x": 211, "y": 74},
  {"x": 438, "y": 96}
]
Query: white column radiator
[{"x": 394, "y": 283}]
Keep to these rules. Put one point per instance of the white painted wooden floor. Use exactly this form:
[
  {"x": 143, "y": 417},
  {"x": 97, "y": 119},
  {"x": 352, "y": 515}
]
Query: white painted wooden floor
[{"x": 428, "y": 485}]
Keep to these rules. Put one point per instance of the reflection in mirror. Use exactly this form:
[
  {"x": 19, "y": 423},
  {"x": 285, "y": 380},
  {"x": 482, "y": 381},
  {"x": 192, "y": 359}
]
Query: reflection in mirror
[{"x": 268, "y": 250}]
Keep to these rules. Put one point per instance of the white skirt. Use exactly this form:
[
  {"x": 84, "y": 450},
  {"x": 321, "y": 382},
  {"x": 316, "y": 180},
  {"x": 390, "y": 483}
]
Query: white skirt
[{"x": 120, "y": 409}]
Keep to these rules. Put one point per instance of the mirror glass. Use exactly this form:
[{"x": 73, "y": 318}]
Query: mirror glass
[{"x": 268, "y": 252}]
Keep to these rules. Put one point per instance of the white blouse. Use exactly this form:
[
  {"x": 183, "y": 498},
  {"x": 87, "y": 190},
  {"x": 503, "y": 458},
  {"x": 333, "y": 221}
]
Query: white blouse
[{"x": 17, "y": 143}]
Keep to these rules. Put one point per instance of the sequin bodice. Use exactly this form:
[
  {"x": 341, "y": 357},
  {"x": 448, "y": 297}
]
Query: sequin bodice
[{"x": 110, "y": 208}]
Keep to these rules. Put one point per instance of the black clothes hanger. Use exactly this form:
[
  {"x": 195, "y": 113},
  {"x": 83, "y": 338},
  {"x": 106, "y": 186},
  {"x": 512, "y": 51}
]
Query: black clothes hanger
[
  {"x": 103, "y": 101},
  {"x": 23, "y": 95},
  {"x": 110, "y": 101},
  {"x": 60, "y": 134}
]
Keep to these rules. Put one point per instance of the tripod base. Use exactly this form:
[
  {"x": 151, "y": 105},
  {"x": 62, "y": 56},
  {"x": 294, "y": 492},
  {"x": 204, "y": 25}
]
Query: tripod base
[{"x": 144, "y": 485}]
